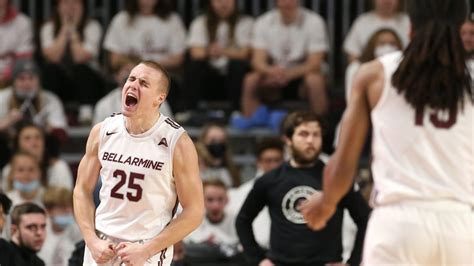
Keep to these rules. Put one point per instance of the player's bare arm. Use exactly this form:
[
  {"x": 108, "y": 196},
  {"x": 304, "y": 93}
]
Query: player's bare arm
[
  {"x": 84, "y": 208},
  {"x": 190, "y": 193},
  {"x": 340, "y": 170}
]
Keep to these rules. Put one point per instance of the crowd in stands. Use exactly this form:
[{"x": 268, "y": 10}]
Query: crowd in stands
[{"x": 250, "y": 63}]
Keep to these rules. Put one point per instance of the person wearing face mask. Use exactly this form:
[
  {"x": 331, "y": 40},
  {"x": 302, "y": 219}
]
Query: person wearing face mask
[
  {"x": 62, "y": 230},
  {"x": 25, "y": 100},
  {"x": 382, "y": 42},
  {"x": 24, "y": 179},
  {"x": 385, "y": 14},
  {"x": 215, "y": 156},
  {"x": 32, "y": 138}
]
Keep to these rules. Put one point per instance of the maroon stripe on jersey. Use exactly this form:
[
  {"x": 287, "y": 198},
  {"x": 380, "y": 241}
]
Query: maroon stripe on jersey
[
  {"x": 172, "y": 123},
  {"x": 175, "y": 208},
  {"x": 162, "y": 257}
]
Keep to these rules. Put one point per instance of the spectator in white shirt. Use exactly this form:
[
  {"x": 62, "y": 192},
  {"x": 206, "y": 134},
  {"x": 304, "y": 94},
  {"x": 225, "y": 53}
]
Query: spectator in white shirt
[
  {"x": 70, "y": 43},
  {"x": 62, "y": 230},
  {"x": 32, "y": 139},
  {"x": 17, "y": 39},
  {"x": 217, "y": 234},
  {"x": 386, "y": 14},
  {"x": 219, "y": 47},
  {"x": 149, "y": 30},
  {"x": 289, "y": 45},
  {"x": 25, "y": 100},
  {"x": 24, "y": 180}
]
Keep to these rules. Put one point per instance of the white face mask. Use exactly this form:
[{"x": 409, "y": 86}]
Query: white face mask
[
  {"x": 385, "y": 49},
  {"x": 23, "y": 95}
]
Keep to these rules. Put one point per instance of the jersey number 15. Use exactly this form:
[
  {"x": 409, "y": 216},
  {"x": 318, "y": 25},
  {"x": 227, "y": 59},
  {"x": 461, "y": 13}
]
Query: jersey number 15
[{"x": 435, "y": 119}]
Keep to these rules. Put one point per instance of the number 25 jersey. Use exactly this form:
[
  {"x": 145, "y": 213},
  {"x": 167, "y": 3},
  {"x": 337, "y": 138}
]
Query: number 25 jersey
[{"x": 138, "y": 196}]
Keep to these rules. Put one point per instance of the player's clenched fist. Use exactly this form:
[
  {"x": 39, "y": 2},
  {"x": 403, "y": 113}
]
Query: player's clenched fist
[
  {"x": 132, "y": 253},
  {"x": 102, "y": 251}
]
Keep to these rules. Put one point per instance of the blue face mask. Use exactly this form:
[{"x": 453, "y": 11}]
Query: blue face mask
[
  {"x": 26, "y": 188},
  {"x": 63, "y": 221}
]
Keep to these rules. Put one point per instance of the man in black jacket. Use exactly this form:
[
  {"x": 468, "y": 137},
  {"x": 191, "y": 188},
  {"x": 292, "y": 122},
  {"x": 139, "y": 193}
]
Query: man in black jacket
[
  {"x": 28, "y": 233},
  {"x": 283, "y": 190}
]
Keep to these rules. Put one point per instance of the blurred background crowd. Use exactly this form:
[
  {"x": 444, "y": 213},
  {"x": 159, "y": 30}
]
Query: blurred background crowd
[{"x": 238, "y": 67}]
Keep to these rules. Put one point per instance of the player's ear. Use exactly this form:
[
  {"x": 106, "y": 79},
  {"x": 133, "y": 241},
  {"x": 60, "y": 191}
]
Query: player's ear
[{"x": 159, "y": 99}]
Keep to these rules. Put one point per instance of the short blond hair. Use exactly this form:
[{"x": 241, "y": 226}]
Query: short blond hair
[{"x": 57, "y": 197}]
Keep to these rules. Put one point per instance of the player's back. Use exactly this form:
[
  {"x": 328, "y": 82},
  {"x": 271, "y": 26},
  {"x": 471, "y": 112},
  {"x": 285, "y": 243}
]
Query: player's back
[{"x": 420, "y": 154}]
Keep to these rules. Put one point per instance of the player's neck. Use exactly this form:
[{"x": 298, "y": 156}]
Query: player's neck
[{"x": 139, "y": 125}]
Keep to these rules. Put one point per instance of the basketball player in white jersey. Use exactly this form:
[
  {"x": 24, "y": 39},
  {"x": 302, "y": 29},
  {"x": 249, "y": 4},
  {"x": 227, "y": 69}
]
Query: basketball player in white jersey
[
  {"x": 420, "y": 103},
  {"x": 146, "y": 162}
]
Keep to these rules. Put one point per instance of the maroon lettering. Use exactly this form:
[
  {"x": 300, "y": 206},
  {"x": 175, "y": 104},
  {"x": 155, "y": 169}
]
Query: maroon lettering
[
  {"x": 159, "y": 165},
  {"x": 135, "y": 190},
  {"x": 435, "y": 118},
  {"x": 104, "y": 156},
  {"x": 120, "y": 158},
  {"x": 113, "y": 157},
  {"x": 135, "y": 161}
]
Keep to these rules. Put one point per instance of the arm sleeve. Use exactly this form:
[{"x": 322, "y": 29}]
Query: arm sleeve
[
  {"x": 25, "y": 37},
  {"x": 56, "y": 116},
  {"x": 258, "y": 34},
  {"x": 359, "y": 211},
  {"x": 113, "y": 40},
  {"x": 46, "y": 35},
  {"x": 351, "y": 42},
  {"x": 60, "y": 175},
  {"x": 319, "y": 41},
  {"x": 92, "y": 36},
  {"x": 198, "y": 33},
  {"x": 253, "y": 204},
  {"x": 178, "y": 41},
  {"x": 243, "y": 32}
]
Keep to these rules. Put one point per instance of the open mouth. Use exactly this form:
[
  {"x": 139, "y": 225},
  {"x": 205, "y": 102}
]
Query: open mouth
[{"x": 131, "y": 100}]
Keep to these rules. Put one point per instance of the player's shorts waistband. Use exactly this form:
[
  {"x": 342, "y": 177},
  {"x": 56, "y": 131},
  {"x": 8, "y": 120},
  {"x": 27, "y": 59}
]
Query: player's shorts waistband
[
  {"x": 116, "y": 240},
  {"x": 438, "y": 204}
]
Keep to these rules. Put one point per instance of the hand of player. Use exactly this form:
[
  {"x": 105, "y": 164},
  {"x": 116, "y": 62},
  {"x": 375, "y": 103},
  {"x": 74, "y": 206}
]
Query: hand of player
[
  {"x": 266, "y": 262},
  {"x": 316, "y": 211},
  {"x": 132, "y": 253},
  {"x": 102, "y": 250}
]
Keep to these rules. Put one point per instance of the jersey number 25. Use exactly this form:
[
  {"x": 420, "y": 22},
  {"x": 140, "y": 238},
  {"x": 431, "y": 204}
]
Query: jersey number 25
[{"x": 132, "y": 186}]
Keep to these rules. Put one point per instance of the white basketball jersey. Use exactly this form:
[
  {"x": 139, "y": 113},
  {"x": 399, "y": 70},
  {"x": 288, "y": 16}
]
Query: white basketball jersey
[
  {"x": 420, "y": 155},
  {"x": 138, "y": 196}
]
